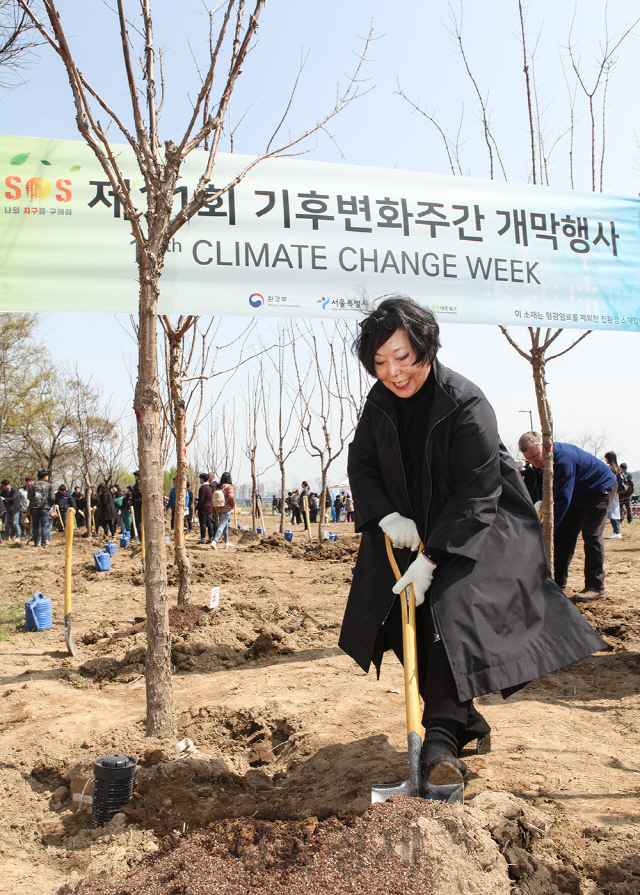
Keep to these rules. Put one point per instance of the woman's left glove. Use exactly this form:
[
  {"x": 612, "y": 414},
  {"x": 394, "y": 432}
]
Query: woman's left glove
[{"x": 420, "y": 574}]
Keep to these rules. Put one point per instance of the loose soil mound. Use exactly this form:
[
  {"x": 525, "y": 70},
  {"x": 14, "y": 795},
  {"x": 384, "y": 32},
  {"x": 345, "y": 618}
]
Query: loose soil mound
[{"x": 405, "y": 845}]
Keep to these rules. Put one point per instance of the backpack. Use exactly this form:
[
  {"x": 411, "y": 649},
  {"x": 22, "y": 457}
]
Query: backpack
[
  {"x": 627, "y": 481},
  {"x": 39, "y": 494},
  {"x": 218, "y": 500}
]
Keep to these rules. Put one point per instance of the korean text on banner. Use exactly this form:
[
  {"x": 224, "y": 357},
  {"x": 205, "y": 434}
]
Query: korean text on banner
[{"x": 302, "y": 238}]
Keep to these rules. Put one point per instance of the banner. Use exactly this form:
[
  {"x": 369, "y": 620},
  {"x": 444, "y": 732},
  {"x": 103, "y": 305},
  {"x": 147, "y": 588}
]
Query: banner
[{"x": 302, "y": 238}]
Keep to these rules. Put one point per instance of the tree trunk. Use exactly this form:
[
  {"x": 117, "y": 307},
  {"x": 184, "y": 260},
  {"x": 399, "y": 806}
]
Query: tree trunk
[
  {"x": 161, "y": 717},
  {"x": 282, "y": 503},
  {"x": 546, "y": 425},
  {"x": 254, "y": 488},
  {"x": 322, "y": 505},
  {"x": 180, "y": 418}
]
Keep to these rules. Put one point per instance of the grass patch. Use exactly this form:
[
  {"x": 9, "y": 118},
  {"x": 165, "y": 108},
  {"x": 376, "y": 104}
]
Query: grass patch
[
  {"x": 77, "y": 680},
  {"x": 11, "y": 617}
]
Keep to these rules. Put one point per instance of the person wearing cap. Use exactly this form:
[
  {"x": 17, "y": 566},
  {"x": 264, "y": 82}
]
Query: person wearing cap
[{"x": 63, "y": 500}]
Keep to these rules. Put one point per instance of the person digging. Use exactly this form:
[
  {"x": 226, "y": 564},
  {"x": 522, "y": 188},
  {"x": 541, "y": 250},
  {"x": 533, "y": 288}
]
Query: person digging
[{"x": 427, "y": 465}]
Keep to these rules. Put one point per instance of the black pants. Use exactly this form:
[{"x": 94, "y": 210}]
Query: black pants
[
  {"x": 589, "y": 519},
  {"x": 625, "y": 510},
  {"x": 206, "y": 525},
  {"x": 436, "y": 682}
]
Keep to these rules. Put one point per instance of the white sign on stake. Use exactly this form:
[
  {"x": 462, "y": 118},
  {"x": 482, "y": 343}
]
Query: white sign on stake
[{"x": 215, "y": 598}]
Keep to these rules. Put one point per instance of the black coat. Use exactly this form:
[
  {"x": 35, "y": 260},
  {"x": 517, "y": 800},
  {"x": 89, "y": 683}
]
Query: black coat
[
  {"x": 106, "y": 510},
  {"x": 502, "y": 619}
]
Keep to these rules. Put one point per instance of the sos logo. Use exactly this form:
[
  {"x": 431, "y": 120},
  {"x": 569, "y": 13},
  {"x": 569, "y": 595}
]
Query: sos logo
[{"x": 256, "y": 300}]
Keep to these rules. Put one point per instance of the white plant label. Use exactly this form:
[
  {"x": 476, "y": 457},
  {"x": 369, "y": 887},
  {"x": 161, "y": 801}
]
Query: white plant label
[{"x": 215, "y": 598}]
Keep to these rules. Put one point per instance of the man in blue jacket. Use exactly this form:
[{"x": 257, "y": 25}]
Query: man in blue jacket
[{"x": 583, "y": 490}]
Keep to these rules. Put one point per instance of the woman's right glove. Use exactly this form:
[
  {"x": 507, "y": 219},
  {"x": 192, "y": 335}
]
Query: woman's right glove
[
  {"x": 420, "y": 574},
  {"x": 402, "y": 531}
]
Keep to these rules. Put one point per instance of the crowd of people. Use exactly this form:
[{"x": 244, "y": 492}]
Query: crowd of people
[
  {"x": 30, "y": 511},
  {"x": 334, "y": 507}
]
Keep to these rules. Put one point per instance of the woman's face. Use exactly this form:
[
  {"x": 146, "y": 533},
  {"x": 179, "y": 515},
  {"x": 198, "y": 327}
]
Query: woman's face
[{"x": 395, "y": 363}]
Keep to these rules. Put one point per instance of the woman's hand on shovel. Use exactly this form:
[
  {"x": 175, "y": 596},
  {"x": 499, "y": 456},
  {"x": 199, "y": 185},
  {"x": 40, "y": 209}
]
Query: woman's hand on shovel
[
  {"x": 402, "y": 531},
  {"x": 420, "y": 574}
]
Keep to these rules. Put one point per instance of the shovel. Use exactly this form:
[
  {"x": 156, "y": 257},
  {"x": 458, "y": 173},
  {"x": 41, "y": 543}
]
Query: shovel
[
  {"x": 446, "y": 793},
  {"x": 71, "y": 646}
]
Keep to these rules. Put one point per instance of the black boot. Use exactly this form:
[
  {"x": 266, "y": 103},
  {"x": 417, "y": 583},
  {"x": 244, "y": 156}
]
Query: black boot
[
  {"x": 439, "y": 757},
  {"x": 476, "y": 728}
]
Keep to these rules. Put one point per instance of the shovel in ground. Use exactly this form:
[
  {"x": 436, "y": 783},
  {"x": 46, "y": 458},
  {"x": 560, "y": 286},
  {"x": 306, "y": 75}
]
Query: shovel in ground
[
  {"x": 71, "y": 646},
  {"x": 411, "y": 787}
]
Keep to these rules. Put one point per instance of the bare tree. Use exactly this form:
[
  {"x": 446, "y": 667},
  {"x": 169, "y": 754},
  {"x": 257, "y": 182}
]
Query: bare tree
[
  {"x": 99, "y": 443},
  {"x": 594, "y": 442},
  {"x": 326, "y": 406},
  {"x": 253, "y": 410},
  {"x": 160, "y": 166},
  {"x": 18, "y": 37},
  {"x": 539, "y": 157},
  {"x": 538, "y": 359},
  {"x": 188, "y": 365},
  {"x": 284, "y": 437},
  {"x": 604, "y": 68}
]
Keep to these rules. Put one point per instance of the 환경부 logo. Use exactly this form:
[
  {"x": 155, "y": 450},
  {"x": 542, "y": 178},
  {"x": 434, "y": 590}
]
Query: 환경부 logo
[{"x": 256, "y": 300}]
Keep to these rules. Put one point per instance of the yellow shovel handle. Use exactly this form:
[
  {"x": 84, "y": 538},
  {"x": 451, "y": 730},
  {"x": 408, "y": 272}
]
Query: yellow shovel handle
[
  {"x": 410, "y": 648},
  {"x": 67, "y": 560}
]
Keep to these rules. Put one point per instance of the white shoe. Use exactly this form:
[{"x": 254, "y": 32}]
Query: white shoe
[
  {"x": 229, "y": 544},
  {"x": 614, "y": 536},
  {"x": 214, "y": 545}
]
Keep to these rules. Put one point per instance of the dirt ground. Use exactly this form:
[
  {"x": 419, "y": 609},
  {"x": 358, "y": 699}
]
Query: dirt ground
[{"x": 287, "y": 730}]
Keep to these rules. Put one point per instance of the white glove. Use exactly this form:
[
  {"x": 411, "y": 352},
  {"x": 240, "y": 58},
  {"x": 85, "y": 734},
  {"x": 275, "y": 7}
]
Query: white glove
[
  {"x": 420, "y": 574},
  {"x": 402, "y": 531},
  {"x": 537, "y": 506}
]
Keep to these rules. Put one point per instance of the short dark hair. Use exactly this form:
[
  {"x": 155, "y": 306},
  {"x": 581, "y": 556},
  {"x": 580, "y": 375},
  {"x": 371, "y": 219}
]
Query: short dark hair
[
  {"x": 419, "y": 324},
  {"x": 5, "y": 482},
  {"x": 203, "y": 477},
  {"x": 42, "y": 473}
]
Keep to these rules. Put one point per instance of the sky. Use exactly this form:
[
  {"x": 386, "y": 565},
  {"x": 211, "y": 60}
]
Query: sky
[{"x": 591, "y": 388}]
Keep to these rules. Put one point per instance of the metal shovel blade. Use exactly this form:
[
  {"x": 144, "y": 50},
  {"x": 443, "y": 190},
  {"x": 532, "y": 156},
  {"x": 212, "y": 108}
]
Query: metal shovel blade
[
  {"x": 449, "y": 793},
  {"x": 68, "y": 636}
]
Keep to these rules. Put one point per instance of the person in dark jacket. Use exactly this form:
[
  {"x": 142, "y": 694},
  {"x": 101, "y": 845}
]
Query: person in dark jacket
[
  {"x": 625, "y": 498},
  {"x": 583, "y": 490},
  {"x": 41, "y": 499},
  {"x": 136, "y": 502},
  {"x": 11, "y": 498},
  {"x": 205, "y": 495},
  {"x": 106, "y": 513},
  {"x": 63, "y": 500},
  {"x": 427, "y": 468}
]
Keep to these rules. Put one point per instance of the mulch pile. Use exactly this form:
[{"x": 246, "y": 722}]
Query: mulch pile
[{"x": 233, "y": 857}]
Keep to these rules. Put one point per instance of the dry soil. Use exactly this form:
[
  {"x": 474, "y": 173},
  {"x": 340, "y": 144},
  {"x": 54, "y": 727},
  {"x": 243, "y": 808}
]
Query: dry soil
[{"x": 289, "y": 736}]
